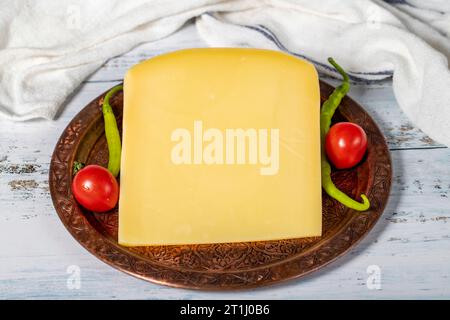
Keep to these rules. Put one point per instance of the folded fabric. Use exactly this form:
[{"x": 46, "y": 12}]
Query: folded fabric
[{"x": 47, "y": 48}]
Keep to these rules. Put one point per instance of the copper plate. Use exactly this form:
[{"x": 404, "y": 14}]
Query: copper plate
[{"x": 220, "y": 266}]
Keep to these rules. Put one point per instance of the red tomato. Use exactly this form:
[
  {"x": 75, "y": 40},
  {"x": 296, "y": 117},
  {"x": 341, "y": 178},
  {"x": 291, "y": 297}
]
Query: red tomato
[
  {"x": 345, "y": 144},
  {"x": 95, "y": 188}
]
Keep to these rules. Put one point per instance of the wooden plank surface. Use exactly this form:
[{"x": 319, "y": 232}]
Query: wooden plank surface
[{"x": 410, "y": 245}]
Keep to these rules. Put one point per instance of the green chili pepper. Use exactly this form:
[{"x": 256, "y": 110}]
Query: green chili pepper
[
  {"x": 112, "y": 133},
  {"x": 326, "y": 113}
]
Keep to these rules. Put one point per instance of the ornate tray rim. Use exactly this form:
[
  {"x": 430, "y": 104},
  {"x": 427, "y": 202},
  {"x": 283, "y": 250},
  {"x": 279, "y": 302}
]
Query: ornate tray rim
[{"x": 297, "y": 266}]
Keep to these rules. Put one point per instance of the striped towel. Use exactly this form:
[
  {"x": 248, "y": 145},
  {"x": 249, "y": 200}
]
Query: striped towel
[{"x": 47, "y": 48}]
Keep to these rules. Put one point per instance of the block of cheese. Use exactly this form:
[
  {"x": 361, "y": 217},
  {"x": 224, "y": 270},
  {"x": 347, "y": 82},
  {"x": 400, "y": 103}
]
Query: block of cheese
[{"x": 220, "y": 145}]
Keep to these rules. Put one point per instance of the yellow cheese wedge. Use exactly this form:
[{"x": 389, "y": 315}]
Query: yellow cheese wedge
[{"x": 220, "y": 145}]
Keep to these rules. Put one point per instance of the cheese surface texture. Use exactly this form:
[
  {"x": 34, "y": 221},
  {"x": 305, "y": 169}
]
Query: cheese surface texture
[{"x": 220, "y": 145}]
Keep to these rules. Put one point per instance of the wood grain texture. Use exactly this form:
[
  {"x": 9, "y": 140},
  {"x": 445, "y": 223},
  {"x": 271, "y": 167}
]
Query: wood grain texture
[{"x": 410, "y": 243}]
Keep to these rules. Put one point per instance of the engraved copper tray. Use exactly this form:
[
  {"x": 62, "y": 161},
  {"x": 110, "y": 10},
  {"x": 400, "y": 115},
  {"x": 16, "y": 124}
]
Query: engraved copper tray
[{"x": 220, "y": 266}]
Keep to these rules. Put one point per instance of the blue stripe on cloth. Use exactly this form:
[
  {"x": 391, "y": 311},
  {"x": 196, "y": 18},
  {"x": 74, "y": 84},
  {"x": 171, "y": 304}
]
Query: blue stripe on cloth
[
  {"x": 268, "y": 34},
  {"x": 352, "y": 74}
]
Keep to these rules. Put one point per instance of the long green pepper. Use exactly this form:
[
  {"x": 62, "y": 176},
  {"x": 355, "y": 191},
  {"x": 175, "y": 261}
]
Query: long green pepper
[
  {"x": 112, "y": 133},
  {"x": 326, "y": 113}
]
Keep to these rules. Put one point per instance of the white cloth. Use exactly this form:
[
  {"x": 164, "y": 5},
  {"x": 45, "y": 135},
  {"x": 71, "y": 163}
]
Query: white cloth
[{"x": 48, "y": 47}]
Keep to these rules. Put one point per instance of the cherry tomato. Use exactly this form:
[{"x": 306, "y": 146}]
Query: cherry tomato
[
  {"x": 345, "y": 144},
  {"x": 95, "y": 188}
]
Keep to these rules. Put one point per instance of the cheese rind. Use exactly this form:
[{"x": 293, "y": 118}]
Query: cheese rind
[{"x": 163, "y": 202}]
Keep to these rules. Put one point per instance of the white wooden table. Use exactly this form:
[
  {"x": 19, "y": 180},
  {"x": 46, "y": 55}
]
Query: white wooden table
[{"x": 410, "y": 244}]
